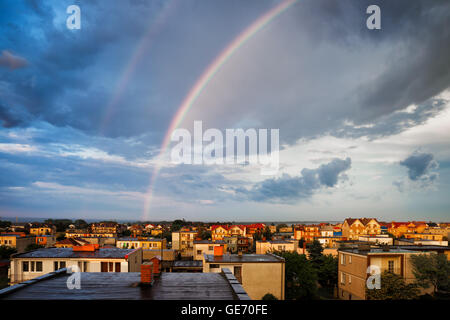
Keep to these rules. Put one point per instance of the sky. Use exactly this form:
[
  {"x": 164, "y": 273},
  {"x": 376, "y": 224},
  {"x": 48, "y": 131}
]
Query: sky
[{"x": 363, "y": 115}]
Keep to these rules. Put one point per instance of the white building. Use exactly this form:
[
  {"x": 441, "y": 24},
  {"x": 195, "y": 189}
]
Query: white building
[{"x": 29, "y": 265}]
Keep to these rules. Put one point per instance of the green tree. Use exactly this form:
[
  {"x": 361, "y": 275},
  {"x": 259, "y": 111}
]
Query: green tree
[
  {"x": 33, "y": 246},
  {"x": 177, "y": 225},
  {"x": 205, "y": 235},
  {"x": 315, "y": 250},
  {"x": 432, "y": 270},
  {"x": 328, "y": 272},
  {"x": 301, "y": 276},
  {"x": 269, "y": 296},
  {"x": 6, "y": 252},
  {"x": 81, "y": 224},
  {"x": 267, "y": 234},
  {"x": 5, "y": 224},
  {"x": 393, "y": 287}
]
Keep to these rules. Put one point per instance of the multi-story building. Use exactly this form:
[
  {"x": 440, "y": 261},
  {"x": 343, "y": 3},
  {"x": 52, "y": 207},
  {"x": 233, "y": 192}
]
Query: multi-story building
[
  {"x": 354, "y": 263},
  {"x": 18, "y": 241},
  {"x": 207, "y": 247},
  {"x": 41, "y": 229},
  {"x": 263, "y": 247},
  {"x": 259, "y": 274},
  {"x": 88, "y": 258},
  {"x": 353, "y": 228},
  {"x": 145, "y": 243},
  {"x": 110, "y": 228},
  {"x": 183, "y": 242},
  {"x": 383, "y": 239}
]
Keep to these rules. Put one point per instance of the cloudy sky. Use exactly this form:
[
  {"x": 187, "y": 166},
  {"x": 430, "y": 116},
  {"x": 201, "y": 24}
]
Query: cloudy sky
[{"x": 363, "y": 114}]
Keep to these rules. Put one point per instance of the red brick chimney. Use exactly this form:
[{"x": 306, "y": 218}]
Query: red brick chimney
[
  {"x": 147, "y": 273},
  {"x": 156, "y": 263}
]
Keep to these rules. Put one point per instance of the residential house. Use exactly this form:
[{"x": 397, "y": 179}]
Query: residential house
[
  {"x": 46, "y": 240},
  {"x": 18, "y": 241},
  {"x": 353, "y": 228},
  {"x": 263, "y": 247},
  {"x": 141, "y": 242},
  {"x": 40, "y": 229},
  {"x": 207, "y": 247},
  {"x": 183, "y": 242}
]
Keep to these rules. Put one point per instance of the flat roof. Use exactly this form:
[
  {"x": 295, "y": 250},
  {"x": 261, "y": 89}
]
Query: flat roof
[
  {"x": 251, "y": 257},
  {"x": 209, "y": 242},
  {"x": 376, "y": 251},
  {"x": 137, "y": 239},
  {"x": 69, "y": 253},
  {"x": 125, "y": 286},
  {"x": 187, "y": 264}
]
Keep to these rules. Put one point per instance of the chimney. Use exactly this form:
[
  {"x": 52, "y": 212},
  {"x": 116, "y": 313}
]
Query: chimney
[
  {"x": 156, "y": 262},
  {"x": 218, "y": 251},
  {"x": 147, "y": 273}
]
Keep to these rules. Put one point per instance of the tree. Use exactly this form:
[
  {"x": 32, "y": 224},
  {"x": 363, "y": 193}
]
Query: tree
[
  {"x": 5, "y": 224},
  {"x": 301, "y": 277},
  {"x": 269, "y": 296},
  {"x": 6, "y": 252},
  {"x": 267, "y": 234},
  {"x": 205, "y": 235},
  {"x": 432, "y": 270},
  {"x": 328, "y": 272},
  {"x": 33, "y": 246},
  {"x": 315, "y": 250},
  {"x": 81, "y": 224},
  {"x": 177, "y": 225},
  {"x": 393, "y": 287}
]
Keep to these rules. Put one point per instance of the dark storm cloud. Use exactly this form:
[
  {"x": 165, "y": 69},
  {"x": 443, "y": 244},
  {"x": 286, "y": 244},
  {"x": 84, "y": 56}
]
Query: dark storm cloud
[
  {"x": 289, "y": 188},
  {"x": 420, "y": 166}
]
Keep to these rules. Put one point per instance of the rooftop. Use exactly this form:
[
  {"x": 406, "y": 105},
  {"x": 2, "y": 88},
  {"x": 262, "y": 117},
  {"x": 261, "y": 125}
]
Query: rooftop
[
  {"x": 230, "y": 258},
  {"x": 69, "y": 253},
  {"x": 371, "y": 251},
  {"x": 209, "y": 242},
  {"x": 125, "y": 286}
]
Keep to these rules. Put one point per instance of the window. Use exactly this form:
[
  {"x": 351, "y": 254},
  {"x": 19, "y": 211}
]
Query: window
[
  {"x": 32, "y": 266},
  {"x": 349, "y": 259},
  {"x": 349, "y": 279},
  {"x": 111, "y": 266},
  {"x": 25, "y": 266},
  {"x": 199, "y": 251},
  {"x": 342, "y": 259},
  {"x": 62, "y": 264},
  {"x": 117, "y": 266},
  {"x": 391, "y": 266},
  {"x": 214, "y": 266},
  {"x": 210, "y": 248},
  {"x": 55, "y": 265},
  {"x": 38, "y": 266},
  {"x": 342, "y": 278}
]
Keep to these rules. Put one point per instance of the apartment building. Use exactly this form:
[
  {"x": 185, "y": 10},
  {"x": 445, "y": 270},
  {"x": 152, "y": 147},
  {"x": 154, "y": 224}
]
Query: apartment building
[
  {"x": 183, "y": 242},
  {"x": 377, "y": 239},
  {"x": 259, "y": 274},
  {"x": 263, "y": 247},
  {"x": 104, "y": 227},
  {"x": 141, "y": 242},
  {"x": 18, "y": 241},
  {"x": 207, "y": 247},
  {"x": 353, "y": 228},
  {"x": 88, "y": 258},
  {"x": 353, "y": 267}
]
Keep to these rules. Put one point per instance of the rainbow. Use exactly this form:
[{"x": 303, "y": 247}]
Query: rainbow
[
  {"x": 207, "y": 75},
  {"x": 143, "y": 46}
]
